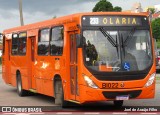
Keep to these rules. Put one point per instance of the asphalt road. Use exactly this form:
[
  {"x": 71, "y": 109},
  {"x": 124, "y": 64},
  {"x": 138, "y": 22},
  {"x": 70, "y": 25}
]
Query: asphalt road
[{"x": 9, "y": 97}]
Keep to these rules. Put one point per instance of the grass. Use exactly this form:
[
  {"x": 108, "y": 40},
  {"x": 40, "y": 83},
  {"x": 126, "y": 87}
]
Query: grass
[
  {"x": 158, "y": 44},
  {"x": 158, "y": 78},
  {"x": 0, "y": 60}
]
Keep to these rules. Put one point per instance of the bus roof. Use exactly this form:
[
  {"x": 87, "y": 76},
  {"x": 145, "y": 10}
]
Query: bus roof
[{"x": 67, "y": 19}]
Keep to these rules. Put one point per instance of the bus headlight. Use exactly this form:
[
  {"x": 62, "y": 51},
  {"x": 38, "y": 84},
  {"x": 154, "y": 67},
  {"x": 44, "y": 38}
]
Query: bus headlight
[
  {"x": 150, "y": 80},
  {"x": 89, "y": 82}
]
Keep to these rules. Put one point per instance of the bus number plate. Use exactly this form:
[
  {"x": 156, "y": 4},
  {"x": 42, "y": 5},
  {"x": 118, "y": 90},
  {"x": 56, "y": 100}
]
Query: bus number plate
[
  {"x": 109, "y": 85},
  {"x": 124, "y": 97}
]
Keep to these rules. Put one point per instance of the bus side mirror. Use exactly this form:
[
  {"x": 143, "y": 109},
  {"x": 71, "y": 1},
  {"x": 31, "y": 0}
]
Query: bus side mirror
[
  {"x": 1, "y": 37},
  {"x": 78, "y": 41}
]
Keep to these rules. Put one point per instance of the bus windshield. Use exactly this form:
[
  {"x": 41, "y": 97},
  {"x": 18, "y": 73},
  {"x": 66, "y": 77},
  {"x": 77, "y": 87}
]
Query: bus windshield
[{"x": 120, "y": 50}]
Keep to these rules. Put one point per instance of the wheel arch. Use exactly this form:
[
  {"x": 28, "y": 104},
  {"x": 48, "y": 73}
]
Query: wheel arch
[
  {"x": 17, "y": 73},
  {"x": 56, "y": 77},
  {"x": 16, "y": 78}
]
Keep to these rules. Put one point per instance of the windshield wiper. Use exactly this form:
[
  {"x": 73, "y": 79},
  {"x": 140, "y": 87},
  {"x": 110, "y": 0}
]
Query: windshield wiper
[
  {"x": 117, "y": 46},
  {"x": 129, "y": 37},
  {"x": 123, "y": 48},
  {"x": 109, "y": 37}
]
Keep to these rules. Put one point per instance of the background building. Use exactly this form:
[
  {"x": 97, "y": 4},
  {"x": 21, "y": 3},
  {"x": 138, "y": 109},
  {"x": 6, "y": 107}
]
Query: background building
[
  {"x": 156, "y": 15},
  {"x": 136, "y": 7},
  {"x": 157, "y": 7}
]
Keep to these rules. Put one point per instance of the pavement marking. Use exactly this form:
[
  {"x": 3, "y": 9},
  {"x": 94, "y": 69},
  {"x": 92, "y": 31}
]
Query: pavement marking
[
  {"x": 64, "y": 113},
  {"x": 117, "y": 113},
  {"x": 91, "y": 113},
  {"x": 148, "y": 113},
  {"x": 9, "y": 113},
  {"x": 22, "y": 113},
  {"x": 35, "y": 113},
  {"x": 17, "y": 113}
]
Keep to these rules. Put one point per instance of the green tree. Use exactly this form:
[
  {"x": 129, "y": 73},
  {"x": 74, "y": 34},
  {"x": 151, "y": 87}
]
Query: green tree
[
  {"x": 117, "y": 9},
  {"x": 152, "y": 10},
  {"x": 54, "y": 17},
  {"x": 156, "y": 28},
  {"x": 104, "y": 5}
]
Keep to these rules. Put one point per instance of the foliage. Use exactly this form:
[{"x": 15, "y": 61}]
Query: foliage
[
  {"x": 117, "y": 9},
  {"x": 54, "y": 17},
  {"x": 156, "y": 28},
  {"x": 158, "y": 44},
  {"x": 103, "y": 5},
  {"x": 152, "y": 10}
]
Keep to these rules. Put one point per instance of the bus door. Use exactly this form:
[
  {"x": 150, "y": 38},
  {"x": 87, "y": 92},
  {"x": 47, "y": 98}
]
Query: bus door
[
  {"x": 33, "y": 62},
  {"x": 73, "y": 66},
  {"x": 8, "y": 62}
]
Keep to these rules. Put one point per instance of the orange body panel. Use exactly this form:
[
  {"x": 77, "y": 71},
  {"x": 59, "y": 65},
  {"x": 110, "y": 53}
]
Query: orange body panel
[
  {"x": 38, "y": 72},
  {"x": 104, "y": 68}
]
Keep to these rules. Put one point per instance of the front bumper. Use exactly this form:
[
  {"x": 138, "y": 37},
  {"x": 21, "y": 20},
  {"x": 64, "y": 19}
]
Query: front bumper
[{"x": 88, "y": 94}]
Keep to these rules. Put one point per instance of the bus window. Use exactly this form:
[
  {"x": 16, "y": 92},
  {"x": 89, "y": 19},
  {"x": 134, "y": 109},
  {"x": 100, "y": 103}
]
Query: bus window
[
  {"x": 15, "y": 44},
  {"x": 57, "y": 41},
  {"x": 22, "y": 43},
  {"x": 3, "y": 45},
  {"x": 43, "y": 44}
]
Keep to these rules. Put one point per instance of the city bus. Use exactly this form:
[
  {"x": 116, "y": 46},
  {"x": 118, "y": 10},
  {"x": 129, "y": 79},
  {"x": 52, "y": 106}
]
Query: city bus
[{"x": 82, "y": 58}]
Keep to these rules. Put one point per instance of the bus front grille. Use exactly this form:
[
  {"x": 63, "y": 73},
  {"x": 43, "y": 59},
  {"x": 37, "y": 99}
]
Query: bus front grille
[{"x": 113, "y": 94}]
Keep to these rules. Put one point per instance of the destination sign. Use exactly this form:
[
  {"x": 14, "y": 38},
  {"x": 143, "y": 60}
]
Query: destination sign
[{"x": 111, "y": 21}]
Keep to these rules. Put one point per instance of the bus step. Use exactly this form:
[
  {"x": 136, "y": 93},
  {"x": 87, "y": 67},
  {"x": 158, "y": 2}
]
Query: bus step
[
  {"x": 9, "y": 84},
  {"x": 74, "y": 101},
  {"x": 33, "y": 90}
]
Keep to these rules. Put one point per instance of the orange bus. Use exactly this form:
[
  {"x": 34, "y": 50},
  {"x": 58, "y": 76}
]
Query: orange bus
[{"x": 80, "y": 58}]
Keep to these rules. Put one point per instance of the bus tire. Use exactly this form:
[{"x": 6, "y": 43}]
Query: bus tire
[
  {"x": 59, "y": 94},
  {"x": 21, "y": 92},
  {"x": 118, "y": 103}
]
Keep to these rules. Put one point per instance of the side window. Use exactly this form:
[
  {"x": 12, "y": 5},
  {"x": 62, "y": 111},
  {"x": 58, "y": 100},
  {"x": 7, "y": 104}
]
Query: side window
[
  {"x": 22, "y": 43},
  {"x": 15, "y": 42},
  {"x": 57, "y": 41},
  {"x": 43, "y": 43}
]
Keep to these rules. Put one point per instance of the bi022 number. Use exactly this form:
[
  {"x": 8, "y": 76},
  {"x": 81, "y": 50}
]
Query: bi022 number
[{"x": 109, "y": 85}]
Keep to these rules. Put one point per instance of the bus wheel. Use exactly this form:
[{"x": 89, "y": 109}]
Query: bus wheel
[
  {"x": 118, "y": 103},
  {"x": 20, "y": 91},
  {"x": 59, "y": 94}
]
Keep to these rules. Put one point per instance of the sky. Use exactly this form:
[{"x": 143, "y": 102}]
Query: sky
[{"x": 39, "y": 10}]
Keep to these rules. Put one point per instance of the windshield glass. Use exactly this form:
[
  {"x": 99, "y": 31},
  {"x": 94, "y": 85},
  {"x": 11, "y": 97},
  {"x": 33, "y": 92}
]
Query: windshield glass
[{"x": 110, "y": 51}]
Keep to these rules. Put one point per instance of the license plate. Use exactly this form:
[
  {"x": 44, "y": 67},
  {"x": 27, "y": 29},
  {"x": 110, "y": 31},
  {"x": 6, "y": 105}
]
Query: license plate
[{"x": 123, "y": 97}]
